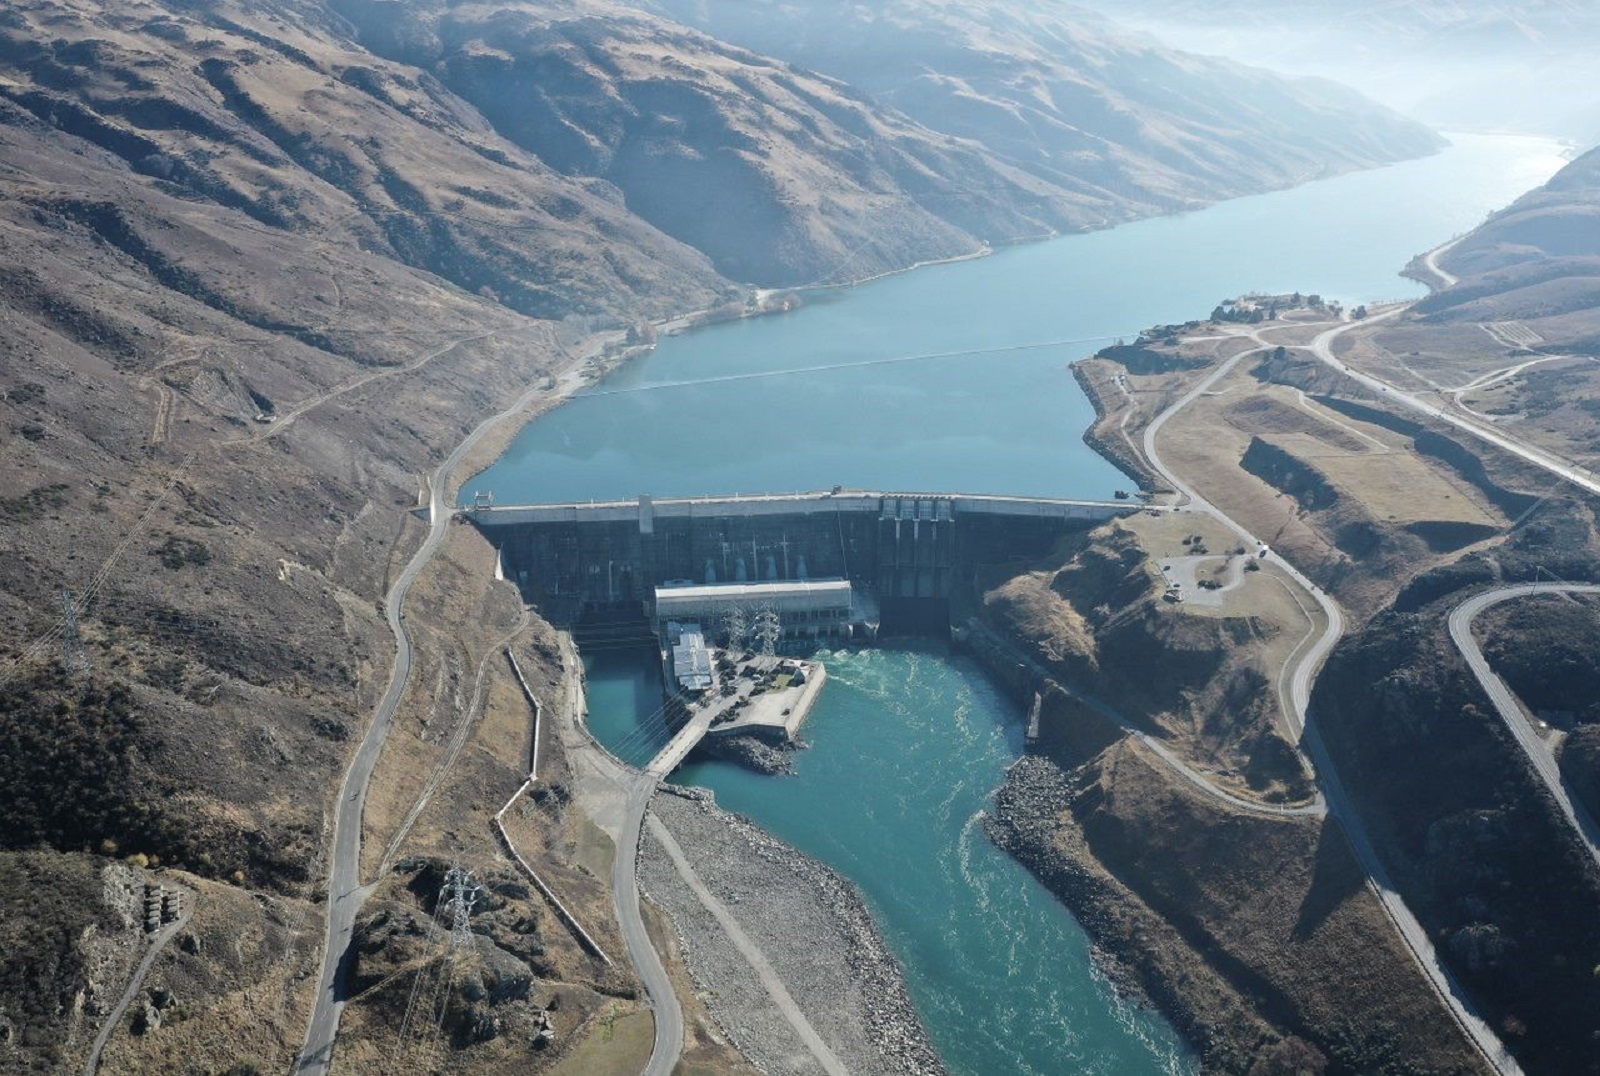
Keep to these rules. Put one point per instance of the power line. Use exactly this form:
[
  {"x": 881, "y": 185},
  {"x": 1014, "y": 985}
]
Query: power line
[
  {"x": 73, "y": 658},
  {"x": 644, "y": 748},
  {"x": 416, "y": 984},
  {"x": 47, "y": 638},
  {"x": 641, "y": 741}
]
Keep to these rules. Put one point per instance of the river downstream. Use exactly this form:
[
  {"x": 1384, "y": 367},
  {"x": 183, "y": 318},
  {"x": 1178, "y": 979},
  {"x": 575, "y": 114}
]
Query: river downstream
[{"x": 953, "y": 378}]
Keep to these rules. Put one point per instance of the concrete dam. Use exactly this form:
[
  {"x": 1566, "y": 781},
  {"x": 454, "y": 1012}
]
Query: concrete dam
[{"x": 910, "y": 551}]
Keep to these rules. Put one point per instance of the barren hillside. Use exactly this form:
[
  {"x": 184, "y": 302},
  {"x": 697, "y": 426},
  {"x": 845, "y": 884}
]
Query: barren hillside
[
  {"x": 1126, "y": 126},
  {"x": 264, "y": 265}
]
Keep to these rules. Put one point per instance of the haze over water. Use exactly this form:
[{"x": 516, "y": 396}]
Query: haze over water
[
  {"x": 1008, "y": 422},
  {"x": 908, "y": 743}
]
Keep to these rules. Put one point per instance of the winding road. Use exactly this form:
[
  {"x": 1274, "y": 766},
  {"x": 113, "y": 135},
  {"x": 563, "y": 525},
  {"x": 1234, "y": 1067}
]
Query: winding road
[
  {"x": 1311, "y": 660},
  {"x": 1322, "y": 348},
  {"x": 1304, "y": 672},
  {"x": 1540, "y": 757},
  {"x": 345, "y": 892},
  {"x": 1447, "y": 279},
  {"x": 1168, "y": 757},
  {"x": 668, "y": 1044}
]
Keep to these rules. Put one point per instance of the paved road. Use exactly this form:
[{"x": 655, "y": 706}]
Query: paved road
[
  {"x": 1309, "y": 663},
  {"x": 616, "y": 797},
  {"x": 1538, "y": 752},
  {"x": 345, "y": 892},
  {"x": 1199, "y": 780},
  {"x": 114, "y": 1017},
  {"x": 1185, "y": 572},
  {"x": 1447, "y": 279},
  {"x": 668, "y": 1045},
  {"x": 1411, "y": 931},
  {"x": 1322, "y": 348},
  {"x": 1311, "y": 660},
  {"x": 681, "y": 744}
]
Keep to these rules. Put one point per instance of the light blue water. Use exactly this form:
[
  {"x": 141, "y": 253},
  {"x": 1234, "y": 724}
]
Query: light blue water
[
  {"x": 1001, "y": 421},
  {"x": 910, "y": 744}
]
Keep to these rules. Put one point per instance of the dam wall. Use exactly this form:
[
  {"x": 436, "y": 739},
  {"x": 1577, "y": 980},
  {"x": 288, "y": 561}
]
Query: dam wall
[{"x": 569, "y": 558}]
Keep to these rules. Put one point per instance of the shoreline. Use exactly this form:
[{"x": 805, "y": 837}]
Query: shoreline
[
  {"x": 1116, "y": 965},
  {"x": 1041, "y": 787},
  {"x": 592, "y": 349},
  {"x": 827, "y": 950}
]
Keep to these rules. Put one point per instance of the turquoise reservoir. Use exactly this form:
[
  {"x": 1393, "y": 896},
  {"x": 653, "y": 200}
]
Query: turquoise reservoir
[
  {"x": 955, "y": 378},
  {"x": 849, "y": 389}
]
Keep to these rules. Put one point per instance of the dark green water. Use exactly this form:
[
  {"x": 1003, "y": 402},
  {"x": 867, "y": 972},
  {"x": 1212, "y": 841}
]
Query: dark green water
[{"x": 909, "y": 744}]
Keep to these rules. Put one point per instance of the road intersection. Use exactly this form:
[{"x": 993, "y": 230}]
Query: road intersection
[{"x": 1304, "y": 670}]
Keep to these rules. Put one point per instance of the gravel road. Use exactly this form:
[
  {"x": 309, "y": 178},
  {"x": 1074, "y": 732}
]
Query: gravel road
[{"x": 811, "y": 926}]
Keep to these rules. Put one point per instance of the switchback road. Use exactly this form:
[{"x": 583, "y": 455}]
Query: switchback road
[{"x": 1304, "y": 671}]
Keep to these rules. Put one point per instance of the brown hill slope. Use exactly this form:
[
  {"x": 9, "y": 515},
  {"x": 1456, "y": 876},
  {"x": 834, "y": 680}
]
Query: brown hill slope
[
  {"x": 203, "y": 221},
  {"x": 258, "y": 281},
  {"x": 1537, "y": 259},
  {"x": 278, "y": 118},
  {"x": 781, "y": 176},
  {"x": 1125, "y": 125}
]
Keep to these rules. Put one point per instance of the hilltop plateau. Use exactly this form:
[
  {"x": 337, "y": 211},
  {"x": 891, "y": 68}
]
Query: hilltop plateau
[{"x": 1411, "y": 462}]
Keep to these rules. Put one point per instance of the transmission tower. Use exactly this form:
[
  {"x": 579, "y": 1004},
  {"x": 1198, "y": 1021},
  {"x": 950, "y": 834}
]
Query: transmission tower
[
  {"x": 737, "y": 623},
  {"x": 73, "y": 657},
  {"x": 769, "y": 628},
  {"x": 460, "y": 894}
]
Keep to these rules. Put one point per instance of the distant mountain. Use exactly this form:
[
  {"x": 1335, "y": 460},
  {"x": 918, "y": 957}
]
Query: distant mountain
[
  {"x": 450, "y": 135},
  {"x": 1537, "y": 259},
  {"x": 1469, "y": 64},
  {"x": 780, "y": 176},
  {"x": 931, "y": 126},
  {"x": 1051, "y": 88}
]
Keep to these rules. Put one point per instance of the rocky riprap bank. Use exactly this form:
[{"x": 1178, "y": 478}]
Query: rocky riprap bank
[
  {"x": 1026, "y": 823},
  {"x": 812, "y": 926},
  {"x": 751, "y": 752}
]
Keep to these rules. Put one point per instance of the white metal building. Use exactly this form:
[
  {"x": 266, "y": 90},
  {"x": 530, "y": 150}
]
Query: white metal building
[
  {"x": 806, "y": 608},
  {"x": 691, "y": 659}
]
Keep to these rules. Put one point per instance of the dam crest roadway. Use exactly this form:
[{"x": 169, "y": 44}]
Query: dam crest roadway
[{"x": 836, "y": 500}]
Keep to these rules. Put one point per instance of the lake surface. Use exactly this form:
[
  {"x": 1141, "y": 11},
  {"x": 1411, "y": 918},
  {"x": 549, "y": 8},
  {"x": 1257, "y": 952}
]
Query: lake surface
[
  {"x": 910, "y": 743},
  {"x": 846, "y": 392}
]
